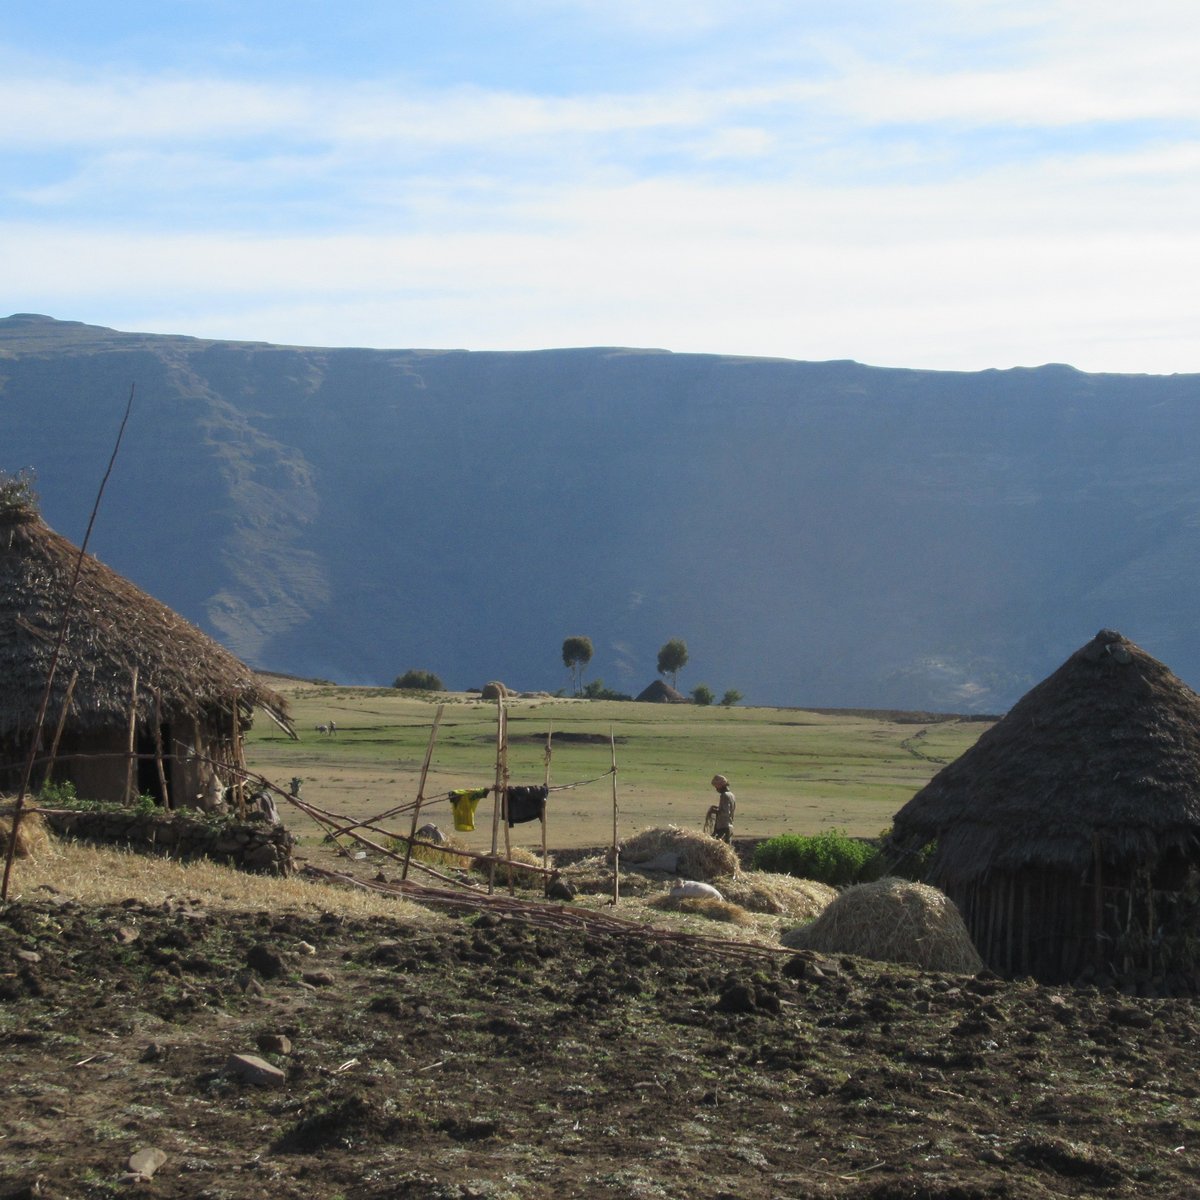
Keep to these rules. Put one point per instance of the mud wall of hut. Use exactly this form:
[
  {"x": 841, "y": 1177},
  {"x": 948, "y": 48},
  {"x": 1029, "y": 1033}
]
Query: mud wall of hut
[{"x": 1119, "y": 927}]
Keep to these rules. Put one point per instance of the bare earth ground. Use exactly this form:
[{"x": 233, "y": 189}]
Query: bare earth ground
[{"x": 484, "y": 1056}]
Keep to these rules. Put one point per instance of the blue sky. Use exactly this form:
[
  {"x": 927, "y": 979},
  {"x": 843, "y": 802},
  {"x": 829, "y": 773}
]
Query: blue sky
[{"x": 960, "y": 184}]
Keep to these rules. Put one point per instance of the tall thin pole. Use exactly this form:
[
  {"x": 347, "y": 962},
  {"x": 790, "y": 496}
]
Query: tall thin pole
[
  {"x": 19, "y": 807},
  {"x": 546, "y": 782},
  {"x": 501, "y": 789},
  {"x": 158, "y": 749},
  {"x": 131, "y": 748},
  {"x": 412, "y": 833},
  {"x": 62, "y": 720},
  {"x": 616, "y": 845}
]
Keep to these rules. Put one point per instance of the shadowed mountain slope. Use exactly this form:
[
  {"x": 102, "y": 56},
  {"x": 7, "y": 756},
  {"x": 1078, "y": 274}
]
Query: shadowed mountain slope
[{"x": 818, "y": 533}]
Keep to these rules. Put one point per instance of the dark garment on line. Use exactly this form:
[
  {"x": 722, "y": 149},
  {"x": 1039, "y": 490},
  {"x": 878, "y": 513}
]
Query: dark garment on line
[{"x": 526, "y": 804}]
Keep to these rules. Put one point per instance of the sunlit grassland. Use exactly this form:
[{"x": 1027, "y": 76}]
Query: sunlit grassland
[{"x": 792, "y": 770}]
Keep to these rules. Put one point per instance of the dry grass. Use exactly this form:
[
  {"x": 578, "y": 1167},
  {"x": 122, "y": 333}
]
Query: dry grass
[
  {"x": 700, "y": 855},
  {"x": 33, "y": 838},
  {"x": 94, "y": 875},
  {"x": 703, "y": 906},
  {"x": 448, "y": 856},
  {"x": 892, "y": 920},
  {"x": 593, "y": 877},
  {"x": 778, "y": 895}
]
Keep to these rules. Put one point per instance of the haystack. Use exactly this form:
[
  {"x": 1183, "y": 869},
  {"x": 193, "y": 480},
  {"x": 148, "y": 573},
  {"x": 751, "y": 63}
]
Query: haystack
[
  {"x": 892, "y": 920},
  {"x": 697, "y": 855},
  {"x": 33, "y": 838},
  {"x": 194, "y": 699},
  {"x": 778, "y": 895},
  {"x": 1073, "y": 825}
]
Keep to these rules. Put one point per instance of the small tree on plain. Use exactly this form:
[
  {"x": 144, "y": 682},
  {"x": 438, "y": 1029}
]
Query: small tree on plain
[
  {"x": 731, "y": 697},
  {"x": 672, "y": 658},
  {"x": 576, "y": 654},
  {"x": 419, "y": 681},
  {"x": 702, "y": 694}
]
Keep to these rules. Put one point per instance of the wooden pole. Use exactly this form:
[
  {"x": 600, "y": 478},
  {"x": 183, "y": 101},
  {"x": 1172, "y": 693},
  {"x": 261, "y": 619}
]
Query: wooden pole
[
  {"x": 239, "y": 786},
  {"x": 616, "y": 845},
  {"x": 412, "y": 833},
  {"x": 546, "y": 782},
  {"x": 132, "y": 747},
  {"x": 62, "y": 720},
  {"x": 500, "y": 792},
  {"x": 158, "y": 748}
]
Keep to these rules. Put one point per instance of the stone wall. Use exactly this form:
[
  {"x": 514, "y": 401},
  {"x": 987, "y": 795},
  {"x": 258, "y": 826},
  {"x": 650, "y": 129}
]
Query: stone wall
[{"x": 251, "y": 846}]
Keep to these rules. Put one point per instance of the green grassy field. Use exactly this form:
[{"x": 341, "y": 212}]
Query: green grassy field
[{"x": 793, "y": 771}]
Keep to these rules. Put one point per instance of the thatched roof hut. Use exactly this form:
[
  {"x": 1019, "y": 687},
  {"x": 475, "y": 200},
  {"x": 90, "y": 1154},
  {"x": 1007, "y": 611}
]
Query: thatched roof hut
[
  {"x": 194, "y": 698},
  {"x": 661, "y": 693},
  {"x": 1069, "y": 834}
]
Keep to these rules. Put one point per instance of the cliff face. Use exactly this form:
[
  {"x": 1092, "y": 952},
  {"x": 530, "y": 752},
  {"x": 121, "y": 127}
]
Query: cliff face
[{"x": 818, "y": 533}]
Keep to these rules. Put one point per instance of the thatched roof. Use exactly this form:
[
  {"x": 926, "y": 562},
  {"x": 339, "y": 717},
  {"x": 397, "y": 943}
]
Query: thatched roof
[
  {"x": 662, "y": 693},
  {"x": 1107, "y": 748},
  {"x": 114, "y": 627}
]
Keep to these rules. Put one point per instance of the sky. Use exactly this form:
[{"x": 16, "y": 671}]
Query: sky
[{"x": 945, "y": 184}]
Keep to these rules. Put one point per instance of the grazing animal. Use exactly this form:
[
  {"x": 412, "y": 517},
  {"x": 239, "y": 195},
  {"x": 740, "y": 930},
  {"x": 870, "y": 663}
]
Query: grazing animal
[{"x": 322, "y": 728}]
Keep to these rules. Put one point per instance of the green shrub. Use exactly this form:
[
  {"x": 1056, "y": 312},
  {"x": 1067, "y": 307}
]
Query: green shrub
[
  {"x": 702, "y": 695},
  {"x": 831, "y": 857},
  {"x": 58, "y": 795},
  {"x": 419, "y": 681}
]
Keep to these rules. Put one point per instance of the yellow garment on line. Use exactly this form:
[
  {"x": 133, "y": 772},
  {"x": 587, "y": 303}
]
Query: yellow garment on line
[{"x": 463, "y": 802}]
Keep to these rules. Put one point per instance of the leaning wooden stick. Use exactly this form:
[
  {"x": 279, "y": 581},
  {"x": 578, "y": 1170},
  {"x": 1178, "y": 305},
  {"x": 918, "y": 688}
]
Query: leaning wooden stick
[{"x": 412, "y": 833}]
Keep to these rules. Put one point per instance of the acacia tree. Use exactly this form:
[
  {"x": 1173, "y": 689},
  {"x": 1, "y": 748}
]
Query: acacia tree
[
  {"x": 672, "y": 658},
  {"x": 576, "y": 654}
]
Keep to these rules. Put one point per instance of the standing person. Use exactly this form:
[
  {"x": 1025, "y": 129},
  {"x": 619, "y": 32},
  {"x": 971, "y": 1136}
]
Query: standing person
[{"x": 725, "y": 807}]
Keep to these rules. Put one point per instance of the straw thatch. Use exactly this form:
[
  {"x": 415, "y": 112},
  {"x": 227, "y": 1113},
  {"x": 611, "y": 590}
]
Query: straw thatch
[
  {"x": 778, "y": 895},
  {"x": 661, "y": 693},
  {"x": 1107, "y": 747},
  {"x": 1069, "y": 835},
  {"x": 892, "y": 920},
  {"x": 114, "y": 628},
  {"x": 697, "y": 855},
  {"x": 194, "y": 698}
]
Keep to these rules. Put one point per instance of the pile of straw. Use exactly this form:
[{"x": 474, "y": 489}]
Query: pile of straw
[
  {"x": 778, "y": 895},
  {"x": 33, "y": 838},
  {"x": 700, "y": 856},
  {"x": 443, "y": 857},
  {"x": 892, "y": 920},
  {"x": 702, "y": 906}
]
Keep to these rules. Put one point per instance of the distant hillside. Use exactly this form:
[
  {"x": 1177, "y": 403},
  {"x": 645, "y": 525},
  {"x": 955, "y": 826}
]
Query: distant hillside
[{"x": 819, "y": 533}]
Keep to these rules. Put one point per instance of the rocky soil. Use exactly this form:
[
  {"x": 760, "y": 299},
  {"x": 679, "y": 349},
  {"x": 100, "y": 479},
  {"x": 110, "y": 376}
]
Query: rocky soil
[{"x": 175, "y": 1052}]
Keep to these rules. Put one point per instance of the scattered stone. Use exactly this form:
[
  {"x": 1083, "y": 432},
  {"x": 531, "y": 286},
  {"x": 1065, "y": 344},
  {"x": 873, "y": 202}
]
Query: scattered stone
[
  {"x": 29, "y": 956},
  {"x": 274, "y": 1043},
  {"x": 126, "y": 935},
  {"x": 251, "y": 1069},
  {"x": 319, "y": 978},
  {"x": 146, "y": 1161},
  {"x": 306, "y": 948}
]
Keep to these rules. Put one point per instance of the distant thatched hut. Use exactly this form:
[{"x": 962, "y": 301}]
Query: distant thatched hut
[
  {"x": 662, "y": 693},
  {"x": 1069, "y": 834},
  {"x": 194, "y": 699}
]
